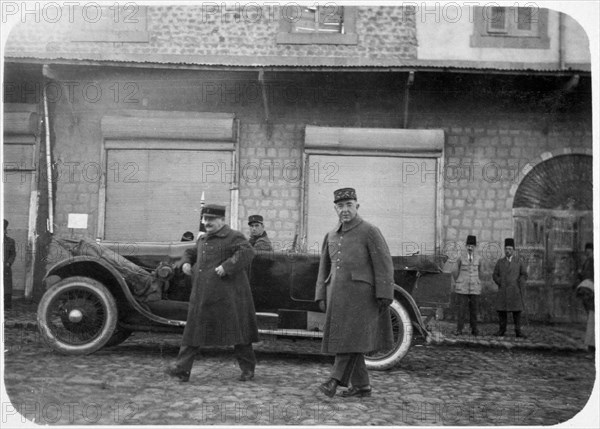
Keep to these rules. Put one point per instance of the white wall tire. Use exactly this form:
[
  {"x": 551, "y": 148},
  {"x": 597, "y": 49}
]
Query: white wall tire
[
  {"x": 402, "y": 330},
  {"x": 77, "y": 316}
]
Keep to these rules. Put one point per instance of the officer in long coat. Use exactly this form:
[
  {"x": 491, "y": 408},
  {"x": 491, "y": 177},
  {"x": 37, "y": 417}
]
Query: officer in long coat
[
  {"x": 221, "y": 311},
  {"x": 510, "y": 275},
  {"x": 355, "y": 288}
]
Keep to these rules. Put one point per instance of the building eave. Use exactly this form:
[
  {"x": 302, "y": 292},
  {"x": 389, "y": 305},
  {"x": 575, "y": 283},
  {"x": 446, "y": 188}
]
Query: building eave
[{"x": 314, "y": 64}]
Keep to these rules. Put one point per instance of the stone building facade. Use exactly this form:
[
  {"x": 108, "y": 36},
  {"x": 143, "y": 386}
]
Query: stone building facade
[{"x": 179, "y": 66}]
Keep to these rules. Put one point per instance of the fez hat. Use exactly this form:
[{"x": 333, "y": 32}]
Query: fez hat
[
  {"x": 509, "y": 242},
  {"x": 589, "y": 246},
  {"x": 213, "y": 210},
  {"x": 255, "y": 219},
  {"x": 471, "y": 240},
  {"x": 344, "y": 194}
]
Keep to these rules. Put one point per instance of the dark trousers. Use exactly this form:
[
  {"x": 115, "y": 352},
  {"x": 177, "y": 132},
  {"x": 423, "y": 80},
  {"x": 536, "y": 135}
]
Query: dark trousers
[
  {"x": 467, "y": 303},
  {"x": 350, "y": 367},
  {"x": 244, "y": 353},
  {"x": 7, "y": 301},
  {"x": 503, "y": 318}
]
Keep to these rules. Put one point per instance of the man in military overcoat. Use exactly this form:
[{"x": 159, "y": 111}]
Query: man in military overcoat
[
  {"x": 258, "y": 236},
  {"x": 355, "y": 289},
  {"x": 221, "y": 311},
  {"x": 510, "y": 275}
]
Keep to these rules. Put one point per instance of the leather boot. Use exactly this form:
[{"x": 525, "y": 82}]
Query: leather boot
[
  {"x": 361, "y": 392},
  {"x": 329, "y": 387},
  {"x": 175, "y": 372}
]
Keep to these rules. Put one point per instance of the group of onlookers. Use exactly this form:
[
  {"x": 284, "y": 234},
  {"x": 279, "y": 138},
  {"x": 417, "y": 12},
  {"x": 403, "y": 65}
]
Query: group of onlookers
[{"x": 510, "y": 275}]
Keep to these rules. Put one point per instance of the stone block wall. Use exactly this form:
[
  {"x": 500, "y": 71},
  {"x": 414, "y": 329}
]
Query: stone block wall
[
  {"x": 271, "y": 178},
  {"x": 186, "y": 33},
  {"x": 485, "y": 161}
]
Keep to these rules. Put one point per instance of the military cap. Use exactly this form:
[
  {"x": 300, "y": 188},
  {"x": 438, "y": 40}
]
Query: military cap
[
  {"x": 509, "y": 242},
  {"x": 344, "y": 194},
  {"x": 471, "y": 240},
  {"x": 255, "y": 219},
  {"x": 187, "y": 236},
  {"x": 213, "y": 210}
]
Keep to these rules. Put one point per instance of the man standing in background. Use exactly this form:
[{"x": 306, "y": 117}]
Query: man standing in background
[
  {"x": 468, "y": 287},
  {"x": 10, "y": 254},
  {"x": 585, "y": 292},
  {"x": 258, "y": 236},
  {"x": 511, "y": 277}
]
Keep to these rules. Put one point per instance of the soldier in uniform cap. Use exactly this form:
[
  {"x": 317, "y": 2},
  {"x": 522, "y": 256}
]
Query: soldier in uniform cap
[
  {"x": 221, "y": 310},
  {"x": 258, "y": 235},
  {"x": 510, "y": 275},
  {"x": 354, "y": 289},
  {"x": 468, "y": 286}
]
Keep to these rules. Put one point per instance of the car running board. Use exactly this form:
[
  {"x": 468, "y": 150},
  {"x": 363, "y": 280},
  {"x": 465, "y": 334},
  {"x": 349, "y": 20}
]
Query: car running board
[
  {"x": 292, "y": 333},
  {"x": 285, "y": 332}
]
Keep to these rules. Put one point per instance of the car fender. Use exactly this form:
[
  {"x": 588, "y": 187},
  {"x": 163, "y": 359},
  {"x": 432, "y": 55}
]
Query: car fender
[
  {"x": 103, "y": 272},
  {"x": 413, "y": 310}
]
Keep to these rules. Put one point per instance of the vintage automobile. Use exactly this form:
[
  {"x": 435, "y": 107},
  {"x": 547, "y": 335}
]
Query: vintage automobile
[{"x": 98, "y": 295}]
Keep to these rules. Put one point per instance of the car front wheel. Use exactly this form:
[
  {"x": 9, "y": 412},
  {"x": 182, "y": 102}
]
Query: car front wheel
[
  {"x": 77, "y": 316},
  {"x": 402, "y": 331}
]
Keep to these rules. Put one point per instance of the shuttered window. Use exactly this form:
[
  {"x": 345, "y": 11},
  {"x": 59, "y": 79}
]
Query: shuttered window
[
  {"x": 154, "y": 195},
  {"x": 391, "y": 193},
  {"x": 157, "y": 164},
  {"x": 395, "y": 174}
]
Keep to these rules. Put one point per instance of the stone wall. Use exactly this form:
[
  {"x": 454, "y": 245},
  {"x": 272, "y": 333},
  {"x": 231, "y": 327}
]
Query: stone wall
[
  {"x": 185, "y": 34},
  {"x": 271, "y": 178},
  {"x": 492, "y": 136}
]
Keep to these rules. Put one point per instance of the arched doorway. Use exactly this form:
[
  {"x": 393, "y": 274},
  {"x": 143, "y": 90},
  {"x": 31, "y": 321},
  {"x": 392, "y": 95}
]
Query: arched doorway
[{"x": 552, "y": 211}]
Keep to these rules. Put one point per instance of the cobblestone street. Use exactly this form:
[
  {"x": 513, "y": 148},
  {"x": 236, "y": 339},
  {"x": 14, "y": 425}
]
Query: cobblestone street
[{"x": 433, "y": 385}]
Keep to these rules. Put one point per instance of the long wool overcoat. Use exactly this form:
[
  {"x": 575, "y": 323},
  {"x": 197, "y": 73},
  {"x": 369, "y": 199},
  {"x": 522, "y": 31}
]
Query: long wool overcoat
[
  {"x": 511, "y": 278},
  {"x": 355, "y": 269},
  {"x": 221, "y": 311}
]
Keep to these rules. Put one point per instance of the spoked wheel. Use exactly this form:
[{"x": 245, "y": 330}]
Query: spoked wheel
[
  {"x": 402, "y": 331},
  {"x": 77, "y": 315}
]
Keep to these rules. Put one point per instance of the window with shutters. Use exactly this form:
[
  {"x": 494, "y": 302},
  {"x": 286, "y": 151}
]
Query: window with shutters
[
  {"x": 510, "y": 27},
  {"x": 328, "y": 24},
  {"x": 158, "y": 164},
  {"x": 405, "y": 206}
]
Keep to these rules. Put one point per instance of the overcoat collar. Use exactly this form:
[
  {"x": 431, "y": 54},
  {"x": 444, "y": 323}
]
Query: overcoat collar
[
  {"x": 344, "y": 227},
  {"x": 254, "y": 239},
  {"x": 223, "y": 232}
]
